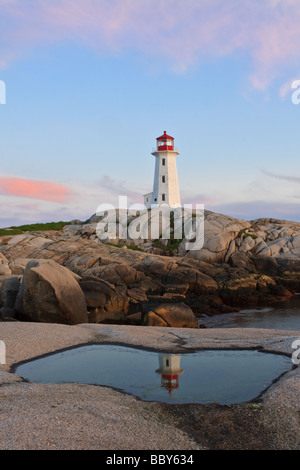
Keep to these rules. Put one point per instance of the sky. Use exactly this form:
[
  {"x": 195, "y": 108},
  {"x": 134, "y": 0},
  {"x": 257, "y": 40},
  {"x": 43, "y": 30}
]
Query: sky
[{"x": 88, "y": 86}]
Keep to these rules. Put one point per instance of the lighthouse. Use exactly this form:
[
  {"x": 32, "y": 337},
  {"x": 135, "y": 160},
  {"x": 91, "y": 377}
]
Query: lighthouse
[
  {"x": 169, "y": 368},
  {"x": 165, "y": 185}
]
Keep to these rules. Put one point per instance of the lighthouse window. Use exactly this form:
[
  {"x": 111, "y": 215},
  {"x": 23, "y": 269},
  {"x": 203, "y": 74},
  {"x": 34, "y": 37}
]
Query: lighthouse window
[
  {"x": 163, "y": 161},
  {"x": 163, "y": 197},
  {"x": 163, "y": 179}
]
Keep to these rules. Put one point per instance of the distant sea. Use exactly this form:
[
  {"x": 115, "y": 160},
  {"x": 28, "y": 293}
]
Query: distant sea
[{"x": 283, "y": 315}]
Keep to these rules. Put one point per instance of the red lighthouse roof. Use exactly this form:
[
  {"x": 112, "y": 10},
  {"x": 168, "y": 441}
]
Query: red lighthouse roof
[
  {"x": 170, "y": 382},
  {"x": 165, "y": 136},
  {"x": 165, "y": 142}
]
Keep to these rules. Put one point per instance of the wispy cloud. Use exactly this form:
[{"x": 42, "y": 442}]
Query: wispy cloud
[
  {"x": 265, "y": 31},
  {"x": 259, "y": 209},
  {"x": 110, "y": 189},
  {"x": 290, "y": 179},
  {"x": 11, "y": 186}
]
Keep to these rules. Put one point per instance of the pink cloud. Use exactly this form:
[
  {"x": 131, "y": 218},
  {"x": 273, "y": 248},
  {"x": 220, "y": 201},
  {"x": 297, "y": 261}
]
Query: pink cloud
[
  {"x": 184, "y": 33},
  {"x": 46, "y": 191}
]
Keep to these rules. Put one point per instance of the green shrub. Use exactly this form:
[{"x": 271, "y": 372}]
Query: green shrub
[
  {"x": 32, "y": 228},
  {"x": 4, "y": 231},
  {"x": 245, "y": 235}
]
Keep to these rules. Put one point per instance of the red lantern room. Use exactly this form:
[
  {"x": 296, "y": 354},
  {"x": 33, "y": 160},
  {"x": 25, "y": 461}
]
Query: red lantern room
[
  {"x": 165, "y": 142},
  {"x": 170, "y": 382}
]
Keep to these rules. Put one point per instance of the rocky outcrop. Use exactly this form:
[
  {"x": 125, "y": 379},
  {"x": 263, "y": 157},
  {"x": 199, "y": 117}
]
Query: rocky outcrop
[
  {"x": 175, "y": 315},
  {"x": 219, "y": 232},
  {"x": 4, "y": 268},
  {"x": 50, "y": 293},
  {"x": 223, "y": 237},
  {"x": 8, "y": 293},
  {"x": 241, "y": 263},
  {"x": 105, "y": 302}
]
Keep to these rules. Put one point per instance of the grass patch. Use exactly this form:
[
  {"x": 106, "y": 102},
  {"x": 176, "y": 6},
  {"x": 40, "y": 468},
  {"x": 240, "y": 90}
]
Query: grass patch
[
  {"x": 251, "y": 235},
  {"x": 171, "y": 247},
  {"x": 134, "y": 248},
  {"x": 116, "y": 245},
  {"x": 245, "y": 234},
  {"x": 33, "y": 228},
  {"x": 4, "y": 231}
]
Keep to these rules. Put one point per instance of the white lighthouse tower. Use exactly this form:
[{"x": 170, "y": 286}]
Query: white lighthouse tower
[{"x": 165, "y": 186}]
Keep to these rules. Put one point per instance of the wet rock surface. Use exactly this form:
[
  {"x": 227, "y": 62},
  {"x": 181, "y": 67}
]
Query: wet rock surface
[{"x": 74, "y": 416}]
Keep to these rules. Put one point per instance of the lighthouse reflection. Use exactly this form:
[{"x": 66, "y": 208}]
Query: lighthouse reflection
[{"x": 170, "y": 370}]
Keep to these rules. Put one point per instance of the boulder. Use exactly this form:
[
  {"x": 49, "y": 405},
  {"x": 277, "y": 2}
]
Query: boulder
[
  {"x": 289, "y": 264},
  {"x": 262, "y": 249},
  {"x": 177, "y": 315},
  {"x": 240, "y": 260},
  {"x": 95, "y": 299},
  {"x": 119, "y": 302},
  {"x": 5, "y": 270},
  {"x": 116, "y": 273},
  {"x": 152, "y": 319},
  {"x": 9, "y": 291},
  {"x": 134, "y": 319},
  {"x": 219, "y": 232},
  {"x": 231, "y": 250},
  {"x": 105, "y": 302},
  {"x": 240, "y": 291},
  {"x": 247, "y": 244},
  {"x": 97, "y": 286},
  {"x": 18, "y": 265},
  {"x": 296, "y": 242},
  {"x": 99, "y": 315},
  {"x": 137, "y": 295},
  {"x": 4, "y": 267},
  {"x": 50, "y": 293},
  {"x": 277, "y": 246},
  {"x": 197, "y": 281},
  {"x": 265, "y": 265}
]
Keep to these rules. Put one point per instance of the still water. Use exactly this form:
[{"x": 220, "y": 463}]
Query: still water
[
  {"x": 283, "y": 316},
  {"x": 223, "y": 377}
]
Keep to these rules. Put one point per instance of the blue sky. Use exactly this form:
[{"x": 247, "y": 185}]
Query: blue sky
[{"x": 90, "y": 85}]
